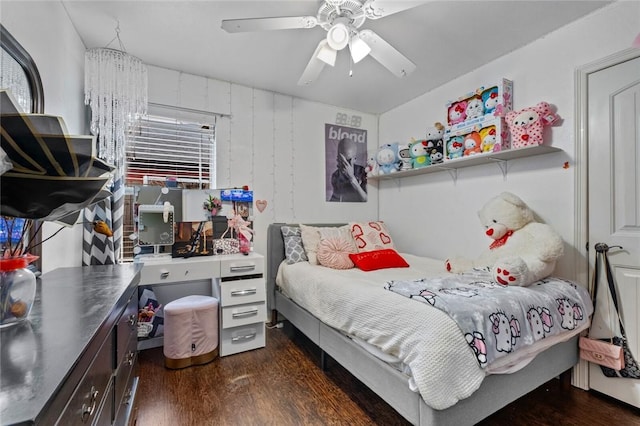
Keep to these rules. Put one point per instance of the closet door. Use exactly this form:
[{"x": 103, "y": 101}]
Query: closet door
[{"x": 614, "y": 206}]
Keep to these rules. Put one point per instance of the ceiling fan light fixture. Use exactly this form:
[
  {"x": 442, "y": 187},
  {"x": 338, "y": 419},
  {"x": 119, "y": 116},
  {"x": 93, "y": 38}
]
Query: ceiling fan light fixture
[
  {"x": 359, "y": 48},
  {"x": 338, "y": 36},
  {"x": 326, "y": 54}
]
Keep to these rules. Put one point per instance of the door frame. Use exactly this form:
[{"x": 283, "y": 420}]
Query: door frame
[{"x": 580, "y": 376}]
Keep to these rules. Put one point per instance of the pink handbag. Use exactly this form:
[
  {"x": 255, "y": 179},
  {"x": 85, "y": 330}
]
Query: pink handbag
[{"x": 601, "y": 352}]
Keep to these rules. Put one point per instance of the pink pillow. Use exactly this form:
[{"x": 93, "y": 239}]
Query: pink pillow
[
  {"x": 370, "y": 236},
  {"x": 334, "y": 253},
  {"x": 378, "y": 259}
]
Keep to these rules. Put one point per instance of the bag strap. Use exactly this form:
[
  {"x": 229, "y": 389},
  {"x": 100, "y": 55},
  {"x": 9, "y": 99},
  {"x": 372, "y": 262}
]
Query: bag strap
[{"x": 601, "y": 252}]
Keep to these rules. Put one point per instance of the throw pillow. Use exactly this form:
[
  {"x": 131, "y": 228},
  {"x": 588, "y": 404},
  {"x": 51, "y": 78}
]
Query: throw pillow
[
  {"x": 333, "y": 252},
  {"x": 370, "y": 236},
  {"x": 378, "y": 259},
  {"x": 311, "y": 236},
  {"x": 293, "y": 248}
]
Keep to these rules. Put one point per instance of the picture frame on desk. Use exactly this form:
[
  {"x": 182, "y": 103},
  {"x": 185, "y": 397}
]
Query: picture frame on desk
[{"x": 185, "y": 234}]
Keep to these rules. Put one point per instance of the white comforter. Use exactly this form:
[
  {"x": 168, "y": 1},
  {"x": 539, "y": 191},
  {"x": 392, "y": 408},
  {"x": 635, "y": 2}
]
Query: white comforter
[
  {"x": 442, "y": 363},
  {"x": 443, "y": 366}
]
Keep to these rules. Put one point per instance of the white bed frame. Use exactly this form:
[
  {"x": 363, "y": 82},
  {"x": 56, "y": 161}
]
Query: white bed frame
[{"x": 391, "y": 385}]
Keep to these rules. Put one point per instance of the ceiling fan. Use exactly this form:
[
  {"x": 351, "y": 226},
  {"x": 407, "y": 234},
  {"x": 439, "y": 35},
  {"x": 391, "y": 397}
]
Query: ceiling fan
[{"x": 342, "y": 20}]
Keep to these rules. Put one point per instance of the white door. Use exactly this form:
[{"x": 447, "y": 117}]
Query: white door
[{"x": 614, "y": 206}]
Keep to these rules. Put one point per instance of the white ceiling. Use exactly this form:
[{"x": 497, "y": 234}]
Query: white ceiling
[{"x": 445, "y": 39}]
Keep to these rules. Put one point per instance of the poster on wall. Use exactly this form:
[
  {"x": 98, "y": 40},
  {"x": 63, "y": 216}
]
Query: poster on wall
[{"x": 345, "y": 161}]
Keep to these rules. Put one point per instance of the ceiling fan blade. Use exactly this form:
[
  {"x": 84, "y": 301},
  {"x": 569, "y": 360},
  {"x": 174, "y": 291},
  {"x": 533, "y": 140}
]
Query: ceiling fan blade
[
  {"x": 387, "y": 55},
  {"x": 267, "y": 24},
  {"x": 376, "y": 9},
  {"x": 314, "y": 67}
]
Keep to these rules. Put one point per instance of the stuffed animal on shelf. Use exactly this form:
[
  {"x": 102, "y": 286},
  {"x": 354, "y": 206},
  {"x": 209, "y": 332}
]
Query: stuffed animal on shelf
[
  {"x": 388, "y": 159},
  {"x": 372, "y": 167},
  {"x": 526, "y": 126},
  {"x": 475, "y": 108},
  {"x": 488, "y": 139},
  {"x": 490, "y": 99},
  {"x": 458, "y": 112},
  {"x": 404, "y": 152},
  {"x": 419, "y": 154},
  {"x": 472, "y": 143},
  {"x": 522, "y": 252},
  {"x": 455, "y": 147},
  {"x": 435, "y": 142}
]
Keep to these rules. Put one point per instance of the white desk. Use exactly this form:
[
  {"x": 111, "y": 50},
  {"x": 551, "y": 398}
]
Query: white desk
[{"x": 237, "y": 282}]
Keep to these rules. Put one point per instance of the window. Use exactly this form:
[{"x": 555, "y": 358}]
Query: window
[{"x": 169, "y": 144}]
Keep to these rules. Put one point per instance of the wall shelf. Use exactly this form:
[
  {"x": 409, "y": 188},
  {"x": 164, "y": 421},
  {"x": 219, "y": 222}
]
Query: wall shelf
[{"x": 452, "y": 166}]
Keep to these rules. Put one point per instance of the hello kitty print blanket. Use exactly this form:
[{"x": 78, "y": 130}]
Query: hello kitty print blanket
[{"x": 498, "y": 320}]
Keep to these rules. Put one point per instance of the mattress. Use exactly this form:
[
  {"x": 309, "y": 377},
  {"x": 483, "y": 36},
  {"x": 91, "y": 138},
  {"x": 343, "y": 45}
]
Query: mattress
[{"x": 417, "y": 339}]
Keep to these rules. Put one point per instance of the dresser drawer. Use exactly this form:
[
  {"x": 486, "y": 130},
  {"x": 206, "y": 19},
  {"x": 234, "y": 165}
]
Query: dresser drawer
[
  {"x": 82, "y": 408},
  {"x": 106, "y": 409},
  {"x": 177, "y": 272},
  {"x": 234, "y": 316},
  {"x": 240, "y": 339},
  {"x": 242, "y": 291},
  {"x": 126, "y": 329},
  {"x": 238, "y": 266},
  {"x": 126, "y": 368}
]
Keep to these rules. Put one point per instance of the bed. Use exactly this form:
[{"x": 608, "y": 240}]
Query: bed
[{"x": 486, "y": 394}]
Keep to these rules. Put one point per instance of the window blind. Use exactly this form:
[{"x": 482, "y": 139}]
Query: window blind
[{"x": 164, "y": 147}]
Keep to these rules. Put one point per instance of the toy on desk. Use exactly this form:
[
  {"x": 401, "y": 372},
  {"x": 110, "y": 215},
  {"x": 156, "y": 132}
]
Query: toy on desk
[
  {"x": 475, "y": 108},
  {"x": 526, "y": 125},
  {"x": 404, "y": 152},
  {"x": 457, "y": 112},
  {"x": 388, "y": 159},
  {"x": 490, "y": 99},
  {"x": 455, "y": 147},
  {"x": 472, "y": 144},
  {"x": 419, "y": 153}
]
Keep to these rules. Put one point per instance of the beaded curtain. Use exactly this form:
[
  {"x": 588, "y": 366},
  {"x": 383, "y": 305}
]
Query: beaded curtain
[{"x": 116, "y": 91}]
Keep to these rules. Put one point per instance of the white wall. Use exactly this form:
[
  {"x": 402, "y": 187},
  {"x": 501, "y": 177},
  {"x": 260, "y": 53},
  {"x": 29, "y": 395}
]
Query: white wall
[
  {"x": 271, "y": 142},
  {"x": 443, "y": 213},
  {"x": 44, "y": 30}
]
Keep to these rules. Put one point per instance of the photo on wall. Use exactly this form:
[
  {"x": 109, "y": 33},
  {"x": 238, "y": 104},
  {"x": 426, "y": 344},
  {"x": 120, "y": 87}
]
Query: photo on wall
[{"x": 345, "y": 161}]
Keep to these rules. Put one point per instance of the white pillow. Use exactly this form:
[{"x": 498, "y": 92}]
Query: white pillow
[
  {"x": 311, "y": 236},
  {"x": 369, "y": 236}
]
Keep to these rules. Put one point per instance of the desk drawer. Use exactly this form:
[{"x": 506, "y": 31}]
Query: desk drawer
[
  {"x": 127, "y": 366},
  {"x": 234, "y": 316},
  {"x": 83, "y": 405},
  {"x": 240, "y": 339},
  {"x": 242, "y": 291},
  {"x": 242, "y": 266},
  {"x": 176, "y": 272}
]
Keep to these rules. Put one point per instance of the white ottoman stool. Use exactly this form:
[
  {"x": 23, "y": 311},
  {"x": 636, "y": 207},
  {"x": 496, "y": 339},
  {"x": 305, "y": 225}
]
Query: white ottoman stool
[{"x": 190, "y": 331}]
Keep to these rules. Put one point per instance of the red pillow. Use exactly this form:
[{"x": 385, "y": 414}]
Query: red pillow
[{"x": 378, "y": 259}]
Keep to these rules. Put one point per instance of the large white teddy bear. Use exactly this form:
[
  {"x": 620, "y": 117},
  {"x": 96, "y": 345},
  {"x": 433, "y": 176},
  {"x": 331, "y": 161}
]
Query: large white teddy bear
[{"x": 523, "y": 251}]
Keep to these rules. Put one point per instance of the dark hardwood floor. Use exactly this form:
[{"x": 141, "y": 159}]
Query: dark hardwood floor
[{"x": 282, "y": 385}]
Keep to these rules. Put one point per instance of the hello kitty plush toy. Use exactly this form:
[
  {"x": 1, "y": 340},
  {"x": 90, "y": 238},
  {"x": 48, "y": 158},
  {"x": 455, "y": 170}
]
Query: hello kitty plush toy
[
  {"x": 455, "y": 147},
  {"x": 419, "y": 154},
  {"x": 458, "y": 112},
  {"x": 475, "y": 108},
  {"x": 490, "y": 100},
  {"x": 472, "y": 144},
  {"x": 526, "y": 126},
  {"x": 372, "y": 167},
  {"x": 488, "y": 139},
  {"x": 387, "y": 158}
]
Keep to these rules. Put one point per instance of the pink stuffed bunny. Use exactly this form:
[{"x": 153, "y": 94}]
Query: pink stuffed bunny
[{"x": 526, "y": 125}]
